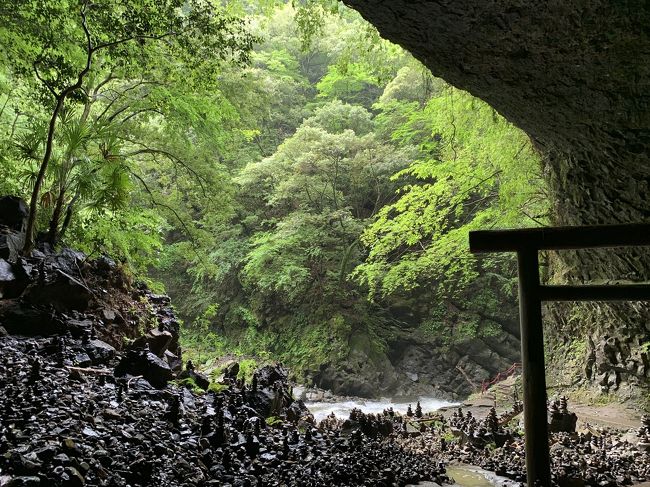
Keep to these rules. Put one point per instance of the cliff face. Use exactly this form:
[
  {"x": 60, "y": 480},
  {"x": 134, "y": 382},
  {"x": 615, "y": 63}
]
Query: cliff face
[
  {"x": 576, "y": 77},
  {"x": 406, "y": 359}
]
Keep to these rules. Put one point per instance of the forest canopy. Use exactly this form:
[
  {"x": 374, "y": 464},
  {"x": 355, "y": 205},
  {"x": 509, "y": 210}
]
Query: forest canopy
[{"x": 290, "y": 178}]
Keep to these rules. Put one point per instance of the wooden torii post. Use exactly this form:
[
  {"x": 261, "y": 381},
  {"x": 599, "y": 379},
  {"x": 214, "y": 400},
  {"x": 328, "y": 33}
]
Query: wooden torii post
[{"x": 527, "y": 243}]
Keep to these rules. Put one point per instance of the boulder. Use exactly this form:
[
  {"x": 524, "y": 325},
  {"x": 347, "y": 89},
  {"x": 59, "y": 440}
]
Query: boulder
[
  {"x": 562, "y": 422},
  {"x": 99, "y": 352},
  {"x": 19, "y": 319},
  {"x": 231, "y": 371},
  {"x": 146, "y": 364},
  {"x": 105, "y": 265},
  {"x": 261, "y": 401},
  {"x": 7, "y": 279},
  {"x": 79, "y": 328},
  {"x": 62, "y": 291},
  {"x": 14, "y": 278},
  {"x": 270, "y": 374},
  {"x": 13, "y": 212},
  {"x": 10, "y": 243},
  {"x": 67, "y": 260},
  {"x": 297, "y": 411},
  {"x": 157, "y": 340},
  {"x": 174, "y": 362}
]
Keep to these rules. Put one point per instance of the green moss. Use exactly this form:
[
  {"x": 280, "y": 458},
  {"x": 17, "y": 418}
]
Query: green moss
[
  {"x": 246, "y": 369},
  {"x": 216, "y": 387},
  {"x": 448, "y": 436},
  {"x": 190, "y": 383},
  {"x": 273, "y": 421}
]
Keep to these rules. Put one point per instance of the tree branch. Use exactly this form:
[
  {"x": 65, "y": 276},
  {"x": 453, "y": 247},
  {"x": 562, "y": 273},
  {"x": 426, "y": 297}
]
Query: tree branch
[
  {"x": 168, "y": 155},
  {"x": 44, "y": 81},
  {"x": 168, "y": 207},
  {"x": 133, "y": 38},
  {"x": 138, "y": 112}
]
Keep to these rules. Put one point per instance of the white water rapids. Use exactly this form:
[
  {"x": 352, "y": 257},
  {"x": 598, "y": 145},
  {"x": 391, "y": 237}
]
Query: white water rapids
[{"x": 341, "y": 407}]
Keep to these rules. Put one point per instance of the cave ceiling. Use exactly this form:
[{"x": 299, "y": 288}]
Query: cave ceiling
[{"x": 573, "y": 74}]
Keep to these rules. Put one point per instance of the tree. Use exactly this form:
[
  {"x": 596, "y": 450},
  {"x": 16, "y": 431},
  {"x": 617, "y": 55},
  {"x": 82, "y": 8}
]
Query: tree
[
  {"x": 474, "y": 170},
  {"x": 63, "y": 43}
]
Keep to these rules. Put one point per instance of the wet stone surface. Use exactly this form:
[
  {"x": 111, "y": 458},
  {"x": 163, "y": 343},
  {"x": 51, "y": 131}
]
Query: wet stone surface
[
  {"x": 593, "y": 457},
  {"x": 65, "y": 426}
]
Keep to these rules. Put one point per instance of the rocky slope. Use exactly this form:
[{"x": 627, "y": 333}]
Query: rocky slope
[
  {"x": 68, "y": 426},
  {"x": 416, "y": 365},
  {"x": 412, "y": 362},
  {"x": 93, "y": 392},
  {"x": 79, "y": 406}
]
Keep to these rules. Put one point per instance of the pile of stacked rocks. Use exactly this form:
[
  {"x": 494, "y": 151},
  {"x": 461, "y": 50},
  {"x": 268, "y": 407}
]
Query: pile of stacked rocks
[
  {"x": 66, "y": 425},
  {"x": 644, "y": 433},
  {"x": 597, "y": 457}
]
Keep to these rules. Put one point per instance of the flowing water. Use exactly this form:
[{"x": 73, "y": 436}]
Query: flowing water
[
  {"x": 341, "y": 408},
  {"x": 471, "y": 476}
]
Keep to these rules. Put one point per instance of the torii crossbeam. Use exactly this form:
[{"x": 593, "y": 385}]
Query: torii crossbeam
[{"x": 527, "y": 243}]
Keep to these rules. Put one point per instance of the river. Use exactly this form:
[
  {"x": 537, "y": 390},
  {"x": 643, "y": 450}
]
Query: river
[{"x": 341, "y": 406}]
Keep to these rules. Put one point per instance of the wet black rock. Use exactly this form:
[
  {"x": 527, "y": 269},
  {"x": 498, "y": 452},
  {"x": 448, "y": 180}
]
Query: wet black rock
[
  {"x": 99, "y": 351},
  {"x": 157, "y": 340},
  {"x": 19, "y": 319},
  {"x": 141, "y": 362},
  {"x": 201, "y": 380},
  {"x": 109, "y": 432},
  {"x": 24, "y": 482},
  {"x": 61, "y": 291},
  {"x": 13, "y": 212},
  {"x": 231, "y": 371},
  {"x": 52, "y": 293},
  {"x": 561, "y": 420},
  {"x": 11, "y": 286}
]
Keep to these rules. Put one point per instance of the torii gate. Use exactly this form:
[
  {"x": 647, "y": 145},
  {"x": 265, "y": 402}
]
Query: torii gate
[{"x": 527, "y": 243}]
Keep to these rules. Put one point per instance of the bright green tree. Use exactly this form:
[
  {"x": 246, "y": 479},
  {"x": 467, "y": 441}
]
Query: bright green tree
[{"x": 62, "y": 44}]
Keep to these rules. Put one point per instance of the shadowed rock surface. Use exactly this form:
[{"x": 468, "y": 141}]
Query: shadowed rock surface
[{"x": 61, "y": 426}]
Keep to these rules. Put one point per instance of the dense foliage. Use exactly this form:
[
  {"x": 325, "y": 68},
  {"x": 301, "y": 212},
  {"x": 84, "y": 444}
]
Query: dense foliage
[{"x": 292, "y": 180}]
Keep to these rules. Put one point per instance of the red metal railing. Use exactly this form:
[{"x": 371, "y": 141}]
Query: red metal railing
[{"x": 486, "y": 384}]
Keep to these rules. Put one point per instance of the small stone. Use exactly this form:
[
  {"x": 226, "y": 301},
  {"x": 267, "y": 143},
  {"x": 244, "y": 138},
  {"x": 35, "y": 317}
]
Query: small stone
[
  {"x": 82, "y": 360},
  {"x": 90, "y": 432},
  {"x": 76, "y": 479},
  {"x": 23, "y": 482}
]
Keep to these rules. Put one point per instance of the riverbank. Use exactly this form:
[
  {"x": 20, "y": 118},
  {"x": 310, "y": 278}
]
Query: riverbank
[{"x": 62, "y": 425}]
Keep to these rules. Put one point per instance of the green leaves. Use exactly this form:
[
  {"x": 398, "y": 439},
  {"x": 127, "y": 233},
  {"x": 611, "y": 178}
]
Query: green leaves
[
  {"x": 350, "y": 82},
  {"x": 473, "y": 171}
]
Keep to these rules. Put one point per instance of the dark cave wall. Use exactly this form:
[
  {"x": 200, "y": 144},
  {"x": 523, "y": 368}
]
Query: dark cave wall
[{"x": 575, "y": 75}]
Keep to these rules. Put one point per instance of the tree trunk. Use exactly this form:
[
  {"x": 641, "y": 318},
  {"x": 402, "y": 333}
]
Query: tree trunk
[
  {"x": 31, "y": 220},
  {"x": 68, "y": 215},
  {"x": 60, "y": 100},
  {"x": 53, "y": 232}
]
